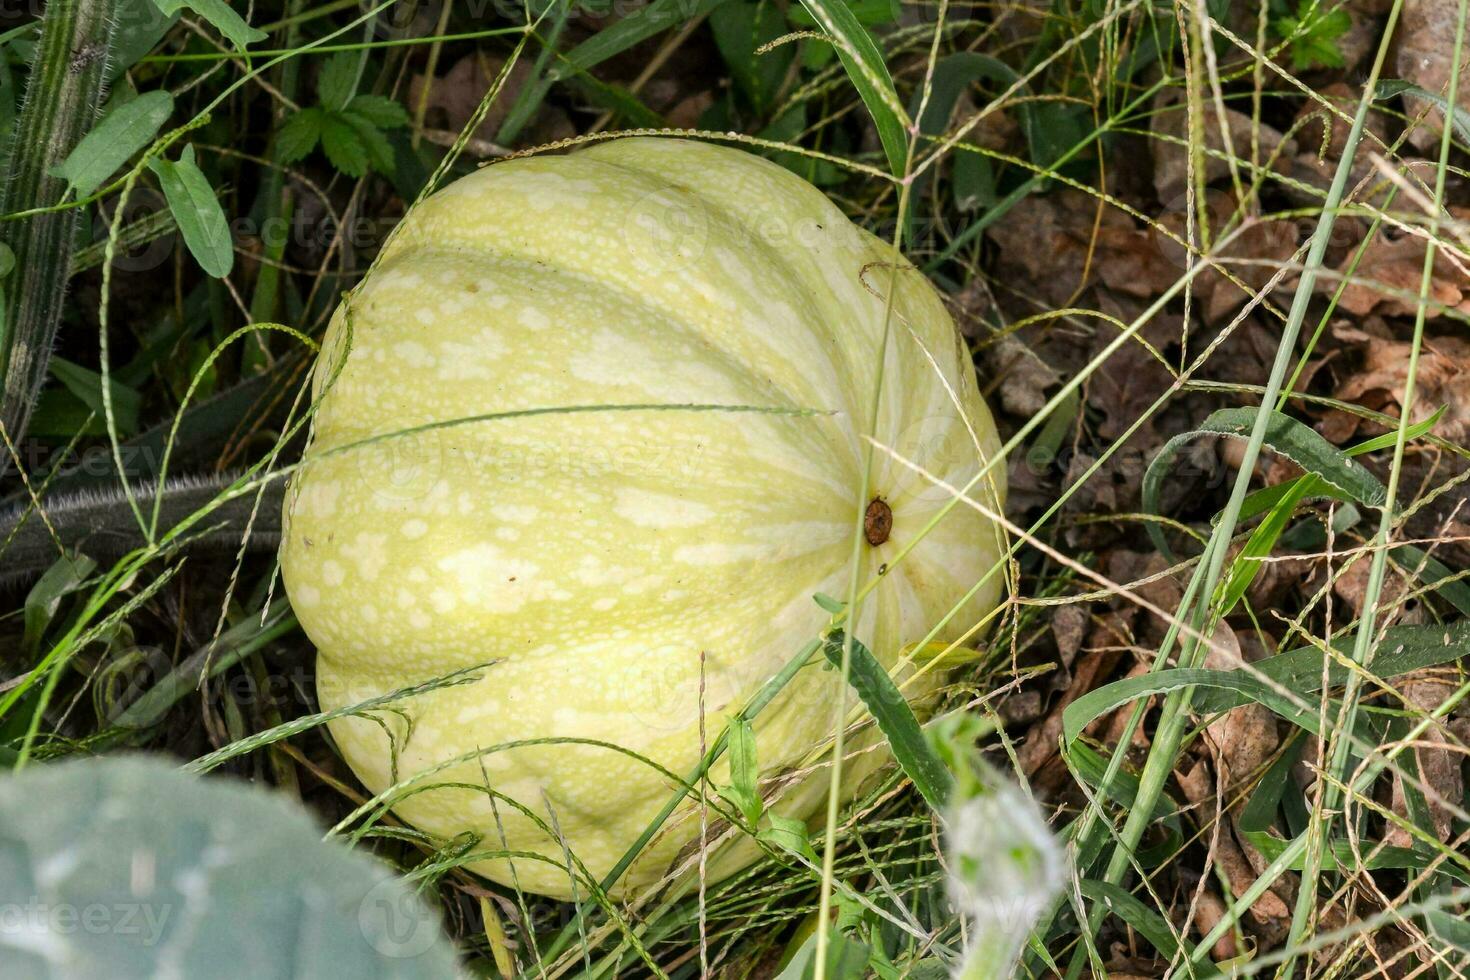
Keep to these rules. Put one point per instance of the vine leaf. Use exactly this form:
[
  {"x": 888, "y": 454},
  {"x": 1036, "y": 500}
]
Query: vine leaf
[
  {"x": 218, "y": 13},
  {"x": 124, "y": 131},
  {"x": 197, "y": 211},
  {"x": 223, "y": 882},
  {"x": 299, "y": 134}
]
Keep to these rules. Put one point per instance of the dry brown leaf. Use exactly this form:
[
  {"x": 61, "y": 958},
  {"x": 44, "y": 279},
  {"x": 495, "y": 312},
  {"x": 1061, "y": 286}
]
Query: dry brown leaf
[
  {"x": 1245, "y": 737},
  {"x": 1134, "y": 261},
  {"x": 1251, "y": 253},
  {"x": 1388, "y": 275},
  {"x": 1058, "y": 244},
  {"x": 1068, "y": 627},
  {"x": 1440, "y": 769},
  {"x": 686, "y": 112},
  {"x": 1208, "y": 911},
  {"x": 1171, "y": 158},
  {"x": 456, "y": 95},
  {"x": 1269, "y": 915},
  {"x": 1140, "y": 572},
  {"x": 1443, "y": 379},
  {"x": 1092, "y": 666},
  {"x": 1134, "y": 377},
  {"x": 1021, "y": 707},
  {"x": 1024, "y": 379},
  {"x": 1426, "y": 51},
  {"x": 1351, "y": 586}
]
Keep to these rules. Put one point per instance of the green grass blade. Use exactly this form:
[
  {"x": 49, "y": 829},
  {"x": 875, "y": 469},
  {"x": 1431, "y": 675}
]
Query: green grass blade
[
  {"x": 1144, "y": 920},
  {"x": 653, "y": 19},
  {"x": 1298, "y": 442},
  {"x": 866, "y": 69},
  {"x": 895, "y": 719},
  {"x": 1404, "y": 648}
]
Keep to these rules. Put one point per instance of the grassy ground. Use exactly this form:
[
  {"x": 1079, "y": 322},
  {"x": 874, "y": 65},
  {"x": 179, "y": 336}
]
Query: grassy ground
[{"x": 1210, "y": 258}]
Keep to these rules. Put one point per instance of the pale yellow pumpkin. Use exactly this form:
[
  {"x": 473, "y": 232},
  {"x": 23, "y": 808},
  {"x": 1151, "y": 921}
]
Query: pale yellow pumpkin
[{"x": 614, "y": 564}]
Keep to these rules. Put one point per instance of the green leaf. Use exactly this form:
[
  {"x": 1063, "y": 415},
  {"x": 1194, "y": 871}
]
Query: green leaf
[
  {"x": 1090, "y": 768},
  {"x": 381, "y": 111},
  {"x": 179, "y": 875},
  {"x": 868, "y": 72},
  {"x": 1267, "y": 498},
  {"x": 1145, "y": 921},
  {"x": 124, "y": 131},
  {"x": 379, "y": 150},
  {"x": 654, "y": 18},
  {"x": 1259, "y": 815},
  {"x": 869, "y": 13},
  {"x": 847, "y": 959},
  {"x": 197, "y": 211},
  {"x": 1285, "y": 435},
  {"x": 1261, "y": 543},
  {"x": 1280, "y": 502},
  {"x": 741, "y": 28},
  {"x": 298, "y": 135},
  {"x": 219, "y": 14},
  {"x": 86, "y": 386},
  {"x": 344, "y": 147},
  {"x": 1449, "y": 928},
  {"x": 616, "y": 99},
  {"x": 338, "y": 79},
  {"x": 895, "y": 719},
  {"x": 1313, "y": 35},
  {"x": 1404, "y": 648},
  {"x": 973, "y": 177},
  {"x": 1434, "y": 574},
  {"x": 788, "y": 834},
  {"x": 1391, "y": 87},
  {"x": 744, "y": 788},
  {"x": 828, "y": 603},
  {"x": 140, "y": 26},
  {"x": 64, "y": 577}
]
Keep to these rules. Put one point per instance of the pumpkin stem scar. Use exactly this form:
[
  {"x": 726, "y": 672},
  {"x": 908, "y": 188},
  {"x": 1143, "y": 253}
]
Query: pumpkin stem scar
[{"x": 877, "y": 522}]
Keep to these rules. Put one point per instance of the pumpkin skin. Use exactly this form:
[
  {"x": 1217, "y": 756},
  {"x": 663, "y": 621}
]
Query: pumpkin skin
[{"x": 608, "y": 562}]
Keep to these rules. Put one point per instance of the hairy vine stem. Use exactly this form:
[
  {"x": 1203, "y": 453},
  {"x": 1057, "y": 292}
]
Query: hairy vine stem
[
  {"x": 63, "y": 95},
  {"x": 100, "y": 524}
]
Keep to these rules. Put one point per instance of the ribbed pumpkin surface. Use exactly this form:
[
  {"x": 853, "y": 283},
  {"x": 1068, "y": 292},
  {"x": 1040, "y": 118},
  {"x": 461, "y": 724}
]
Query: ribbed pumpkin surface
[{"x": 614, "y": 564}]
